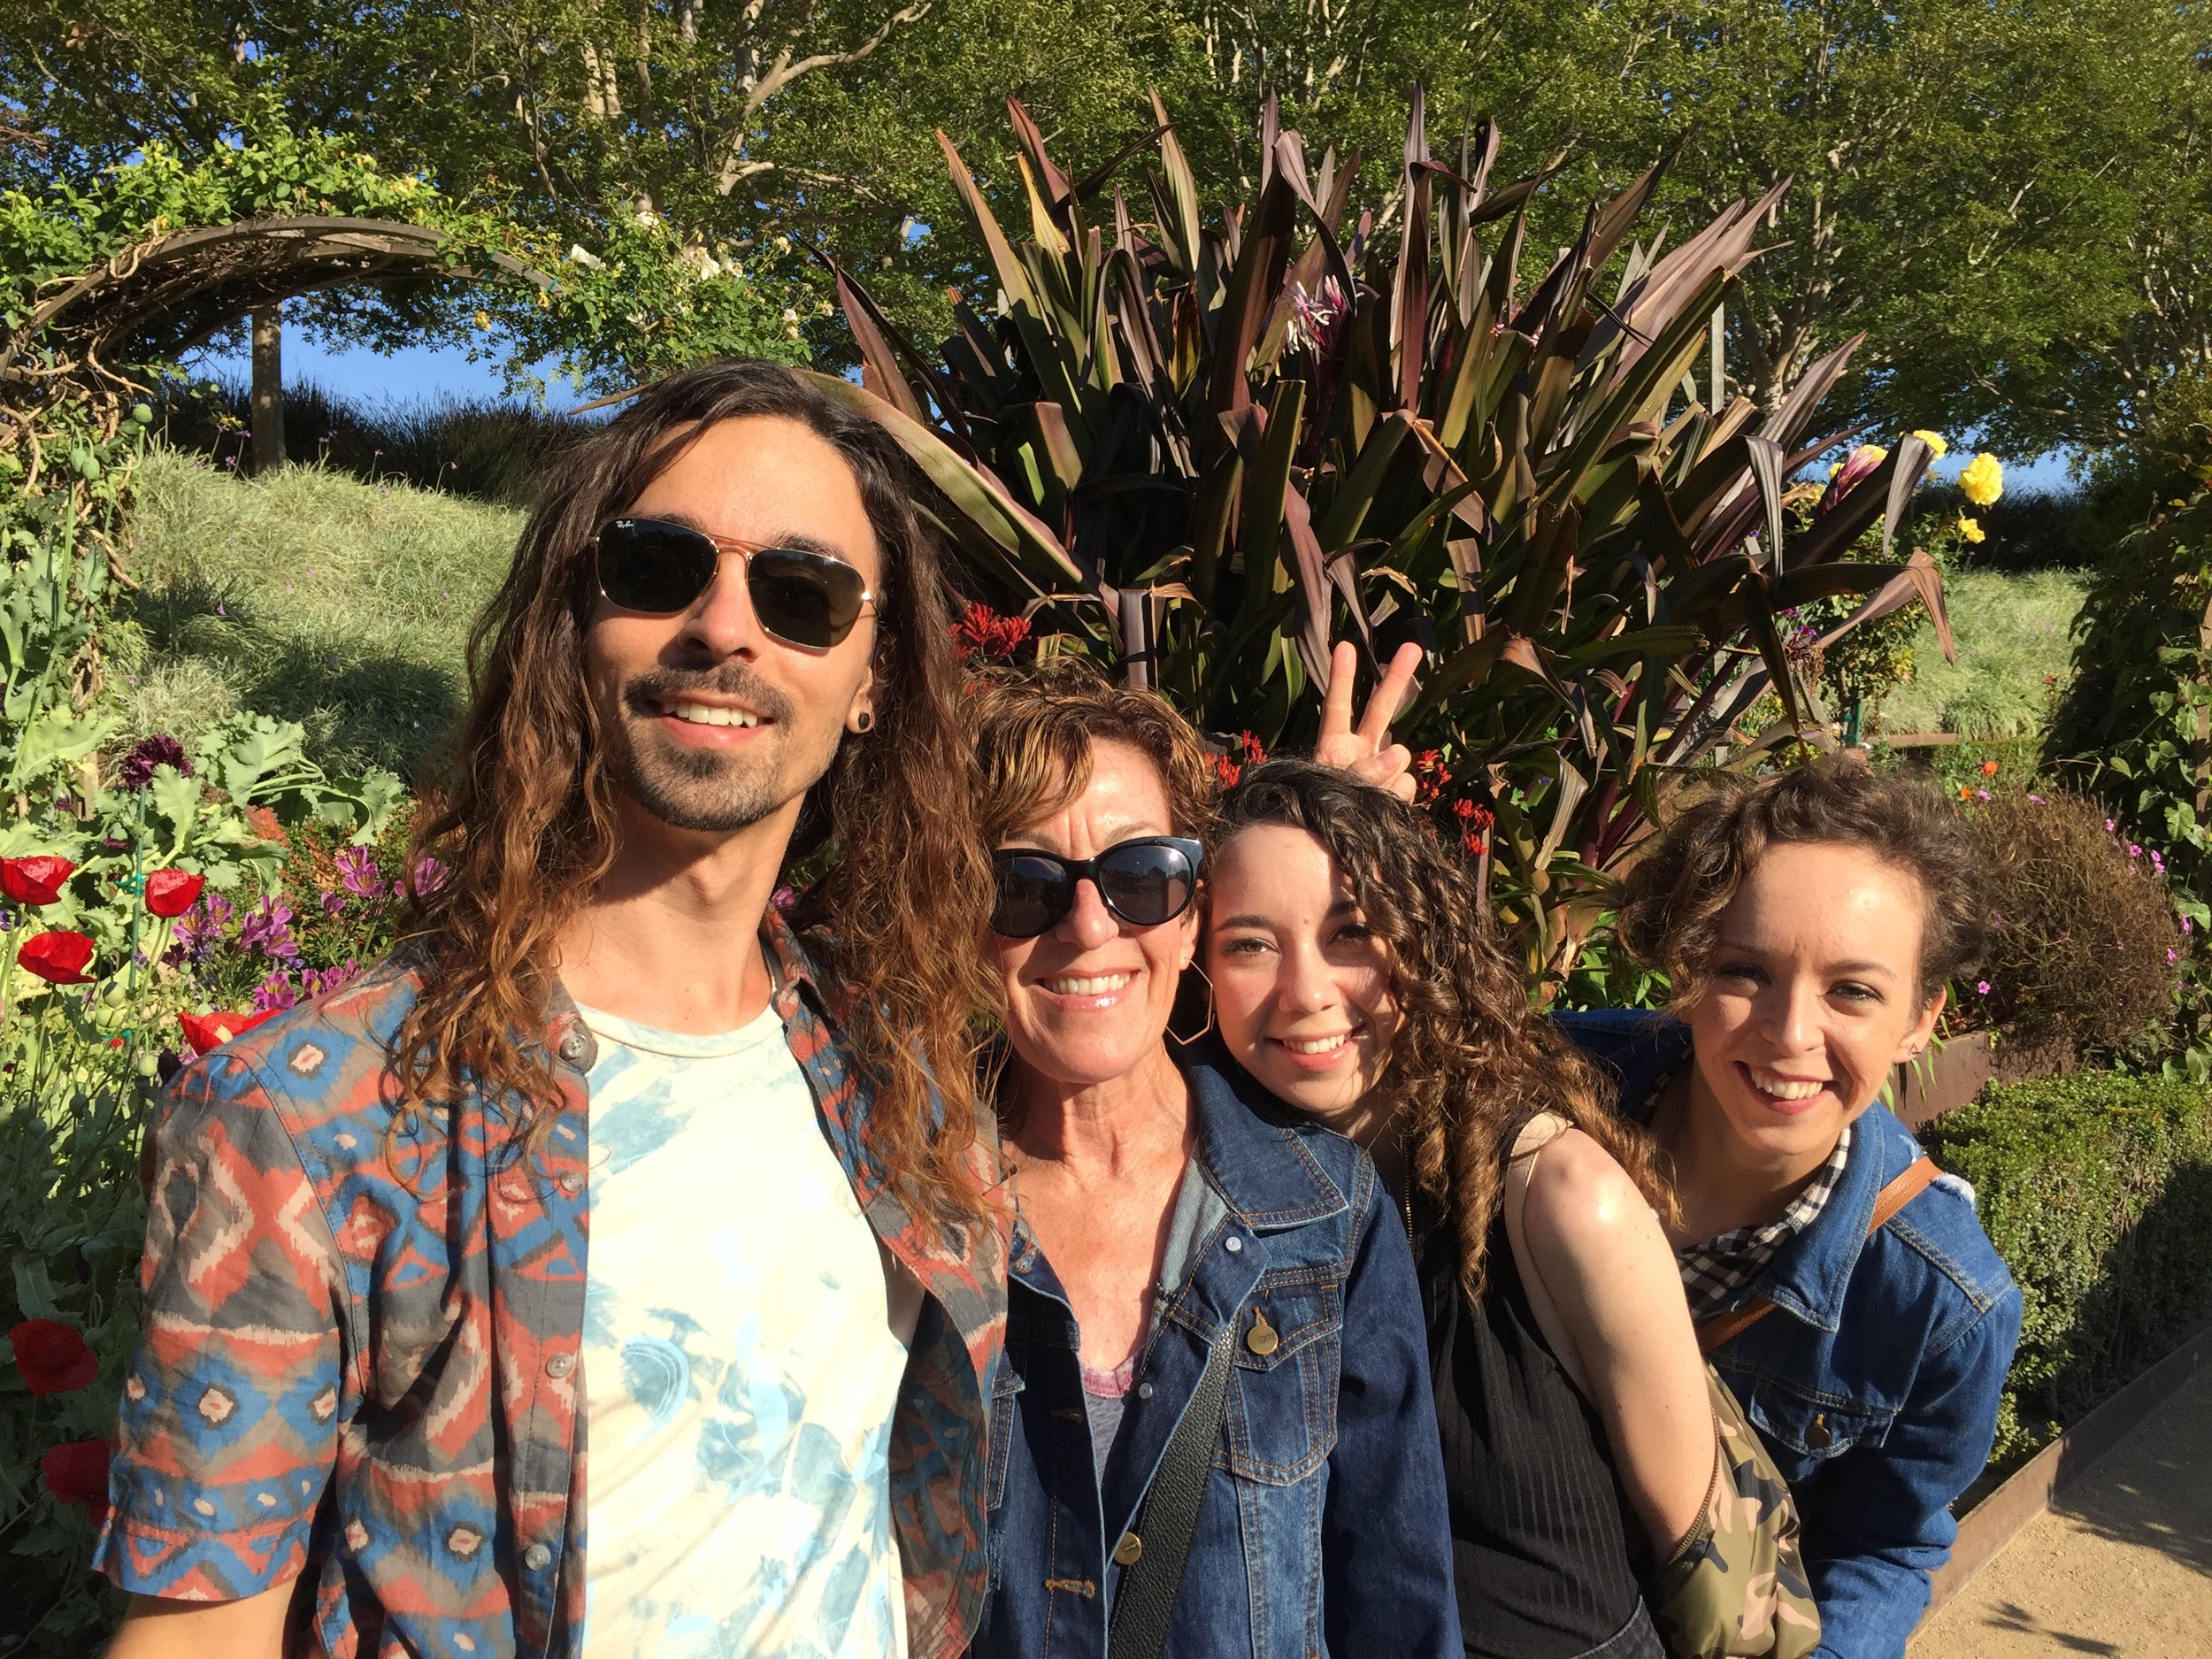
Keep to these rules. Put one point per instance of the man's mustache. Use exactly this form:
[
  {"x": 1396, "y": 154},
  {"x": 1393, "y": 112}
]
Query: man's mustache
[{"x": 644, "y": 695}]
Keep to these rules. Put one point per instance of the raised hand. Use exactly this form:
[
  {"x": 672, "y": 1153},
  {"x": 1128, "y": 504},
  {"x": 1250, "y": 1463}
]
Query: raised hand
[{"x": 1366, "y": 750}]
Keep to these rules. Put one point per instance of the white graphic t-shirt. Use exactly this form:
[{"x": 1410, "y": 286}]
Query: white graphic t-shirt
[{"x": 741, "y": 1357}]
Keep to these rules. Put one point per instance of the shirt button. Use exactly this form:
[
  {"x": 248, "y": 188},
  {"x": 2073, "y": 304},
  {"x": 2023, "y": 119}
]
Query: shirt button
[
  {"x": 571, "y": 1184},
  {"x": 573, "y": 1045},
  {"x": 1232, "y": 1244},
  {"x": 1144, "y": 1391},
  {"x": 537, "y": 1557},
  {"x": 560, "y": 1365}
]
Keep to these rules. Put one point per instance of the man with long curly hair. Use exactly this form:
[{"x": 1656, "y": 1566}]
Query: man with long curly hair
[{"x": 604, "y": 1152}]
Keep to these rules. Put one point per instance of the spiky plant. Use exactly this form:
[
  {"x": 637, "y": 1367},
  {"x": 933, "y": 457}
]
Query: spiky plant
[{"x": 1198, "y": 447}]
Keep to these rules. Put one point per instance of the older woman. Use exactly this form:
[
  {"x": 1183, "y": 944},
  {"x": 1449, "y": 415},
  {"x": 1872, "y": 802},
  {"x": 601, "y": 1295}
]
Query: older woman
[
  {"x": 1212, "y": 1435},
  {"x": 1809, "y": 923}
]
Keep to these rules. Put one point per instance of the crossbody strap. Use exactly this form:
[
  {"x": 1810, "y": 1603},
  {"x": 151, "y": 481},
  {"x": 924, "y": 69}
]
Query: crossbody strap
[
  {"x": 1726, "y": 1328},
  {"x": 1155, "y": 1553}
]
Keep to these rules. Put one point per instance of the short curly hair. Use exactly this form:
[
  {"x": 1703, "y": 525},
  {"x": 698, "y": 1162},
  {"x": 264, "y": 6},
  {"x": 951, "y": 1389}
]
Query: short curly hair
[
  {"x": 1670, "y": 905},
  {"x": 1035, "y": 730}
]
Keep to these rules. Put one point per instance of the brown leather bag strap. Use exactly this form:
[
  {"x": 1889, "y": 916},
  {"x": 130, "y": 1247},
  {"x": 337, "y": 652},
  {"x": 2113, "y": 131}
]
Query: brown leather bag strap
[{"x": 1726, "y": 1328}]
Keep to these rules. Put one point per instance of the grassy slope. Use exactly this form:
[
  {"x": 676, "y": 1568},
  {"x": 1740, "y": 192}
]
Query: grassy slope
[
  {"x": 2015, "y": 651},
  {"x": 311, "y": 596}
]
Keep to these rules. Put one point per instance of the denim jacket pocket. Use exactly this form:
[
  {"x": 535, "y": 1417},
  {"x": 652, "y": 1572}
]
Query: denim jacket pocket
[
  {"x": 1282, "y": 1412},
  {"x": 1814, "y": 1428}
]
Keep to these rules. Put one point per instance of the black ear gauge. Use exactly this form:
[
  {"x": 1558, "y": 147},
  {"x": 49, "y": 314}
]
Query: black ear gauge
[{"x": 862, "y": 721}]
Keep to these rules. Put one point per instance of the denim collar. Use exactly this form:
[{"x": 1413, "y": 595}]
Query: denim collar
[
  {"x": 1810, "y": 1274},
  {"x": 1256, "y": 1159}
]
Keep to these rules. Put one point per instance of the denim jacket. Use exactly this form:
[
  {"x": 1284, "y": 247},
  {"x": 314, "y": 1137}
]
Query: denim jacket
[
  {"x": 1322, "y": 1529},
  {"x": 1875, "y": 1382}
]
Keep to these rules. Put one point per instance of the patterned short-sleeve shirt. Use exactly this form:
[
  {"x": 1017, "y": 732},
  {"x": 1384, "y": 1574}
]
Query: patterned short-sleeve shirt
[{"x": 360, "y": 1359}]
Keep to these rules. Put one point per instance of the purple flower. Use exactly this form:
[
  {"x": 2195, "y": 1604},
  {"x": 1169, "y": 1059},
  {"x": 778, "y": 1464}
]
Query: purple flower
[
  {"x": 357, "y": 872},
  {"x": 333, "y": 902},
  {"x": 2036, "y": 799},
  {"x": 269, "y": 930},
  {"x": 1981, "y": 794},
  {"x": 2108, "y": 825},
  {"x": 2185, "y": 928},
  {"x": 2170, "y": 955},
  {"x": 784, "y": 898},
  {"x": 275, "y": 992},
  {"x": 1982, "y": 986},
  {"x": 429, "y": 876},
  {"x": 148, "y": 753},
  {"x": 2135, "y": 851},
  {"x": 322, "y": 981},
  {"x": 200, "y": 929}
]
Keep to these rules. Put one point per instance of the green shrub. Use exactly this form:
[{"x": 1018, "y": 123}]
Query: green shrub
[
  {"x": 2096, "y": 1188},
  {"x": 2085, "y": 947}
]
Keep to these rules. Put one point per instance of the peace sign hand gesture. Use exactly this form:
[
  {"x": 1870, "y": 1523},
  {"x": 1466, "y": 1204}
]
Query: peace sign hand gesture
[{"x": 1367, "y": 753}]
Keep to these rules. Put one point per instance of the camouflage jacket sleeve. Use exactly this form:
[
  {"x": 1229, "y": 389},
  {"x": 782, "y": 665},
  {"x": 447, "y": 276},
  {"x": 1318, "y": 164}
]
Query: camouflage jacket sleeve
[{"x": 229, "y": 1421}]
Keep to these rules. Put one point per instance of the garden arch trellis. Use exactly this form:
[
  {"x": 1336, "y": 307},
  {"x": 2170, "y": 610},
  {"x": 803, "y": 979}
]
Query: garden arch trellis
[{"x": 167, "y": 294}]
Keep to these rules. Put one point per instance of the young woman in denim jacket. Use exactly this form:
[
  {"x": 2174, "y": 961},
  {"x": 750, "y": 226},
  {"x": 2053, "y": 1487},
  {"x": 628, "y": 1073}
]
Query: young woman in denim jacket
[
  {"x": 1809, "y": 923},
  {"x": 1162, "y": 1205},
  {"x": 1355, "y": 976}
]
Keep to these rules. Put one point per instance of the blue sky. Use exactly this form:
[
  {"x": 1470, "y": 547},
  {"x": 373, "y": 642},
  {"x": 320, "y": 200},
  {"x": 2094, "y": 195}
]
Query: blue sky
[{"x": 427, "y": 373}]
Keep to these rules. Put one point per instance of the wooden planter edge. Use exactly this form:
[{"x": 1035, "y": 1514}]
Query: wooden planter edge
[{"x": 1991, "y": 1525}]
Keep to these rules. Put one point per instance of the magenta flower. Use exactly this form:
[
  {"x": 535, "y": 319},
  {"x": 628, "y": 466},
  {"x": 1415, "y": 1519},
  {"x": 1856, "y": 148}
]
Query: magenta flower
[
  {"x": 269, "y": 930},
  {"x": 357, "y": 872},
  {"x": 1982, "y": 986}
]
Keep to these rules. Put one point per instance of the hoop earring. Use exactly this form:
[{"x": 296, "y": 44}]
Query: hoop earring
[
  {"x": 1203, "y": 1031},
  {"x": 862, "y": 721}
]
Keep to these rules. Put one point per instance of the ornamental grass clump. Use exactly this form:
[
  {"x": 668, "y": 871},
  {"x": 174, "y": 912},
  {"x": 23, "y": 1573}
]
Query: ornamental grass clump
[{"x": 2086, "y": 950}]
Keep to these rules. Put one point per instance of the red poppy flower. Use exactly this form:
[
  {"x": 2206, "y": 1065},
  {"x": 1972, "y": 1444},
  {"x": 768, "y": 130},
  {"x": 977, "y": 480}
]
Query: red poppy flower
[
  {"x": 60, "y": 957},
  {"x": 1989, "y": 769},
  {"x": 76, "y": 1472},
  {"x": 171, "y": 892},
  {"x": 53, "y": 1356},
  {"x": 34, "y": 881},
  {"x": 207, "y": 1033}
]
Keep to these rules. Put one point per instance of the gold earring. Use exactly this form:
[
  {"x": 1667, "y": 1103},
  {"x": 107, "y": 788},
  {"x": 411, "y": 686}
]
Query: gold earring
[{"x": 1200, "y": 1034}]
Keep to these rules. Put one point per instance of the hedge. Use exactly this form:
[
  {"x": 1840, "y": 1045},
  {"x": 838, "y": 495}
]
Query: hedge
[{"x": 2096, "y": 1188}]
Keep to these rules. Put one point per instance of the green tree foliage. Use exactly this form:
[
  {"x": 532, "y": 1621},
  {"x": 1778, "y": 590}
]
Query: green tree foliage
[
  {"x": 2135, "y": 725},
  {"x": 643, "y": 304}
]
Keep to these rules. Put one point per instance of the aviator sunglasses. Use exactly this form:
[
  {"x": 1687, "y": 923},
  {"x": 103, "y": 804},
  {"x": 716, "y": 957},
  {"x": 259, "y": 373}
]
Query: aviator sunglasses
[
  {"x": 1145, "y": 882},
  {"x": 660, "y": 569}
]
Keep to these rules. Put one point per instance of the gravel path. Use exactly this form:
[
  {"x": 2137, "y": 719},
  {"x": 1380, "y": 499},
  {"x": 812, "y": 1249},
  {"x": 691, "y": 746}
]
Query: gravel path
[{"x": 2120, "y": 1565}]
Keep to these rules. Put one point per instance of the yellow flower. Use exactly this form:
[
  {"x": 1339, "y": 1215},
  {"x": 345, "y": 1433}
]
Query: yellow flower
[
  {"x": 1934, "y": 441},
  {"x": 1983, "y": 480},
  {"x": 1970, "y": 532},
  {"x": 484, "y": 321}
]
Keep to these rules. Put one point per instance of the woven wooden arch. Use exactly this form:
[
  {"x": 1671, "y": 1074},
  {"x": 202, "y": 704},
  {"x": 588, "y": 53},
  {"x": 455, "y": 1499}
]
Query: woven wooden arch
[{"x": 163, "y": 297}]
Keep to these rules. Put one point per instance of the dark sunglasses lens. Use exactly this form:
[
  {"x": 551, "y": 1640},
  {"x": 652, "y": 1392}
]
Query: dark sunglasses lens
[
  {"x": 1146, "y": 882},
  {"x": 803, "y": 598},
  {"x": 1033, "y": 896},
  {"x": 657, "y": 568}
]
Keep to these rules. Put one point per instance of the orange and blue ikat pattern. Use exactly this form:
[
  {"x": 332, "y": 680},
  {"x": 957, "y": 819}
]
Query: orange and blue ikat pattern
[{"x": 367, "y": 1369}]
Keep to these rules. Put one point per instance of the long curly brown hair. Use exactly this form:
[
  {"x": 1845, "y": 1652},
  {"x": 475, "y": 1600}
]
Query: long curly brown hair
[
  {"x": 1473, "y": 1062},
  {"x": 524, "y": 818}
]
